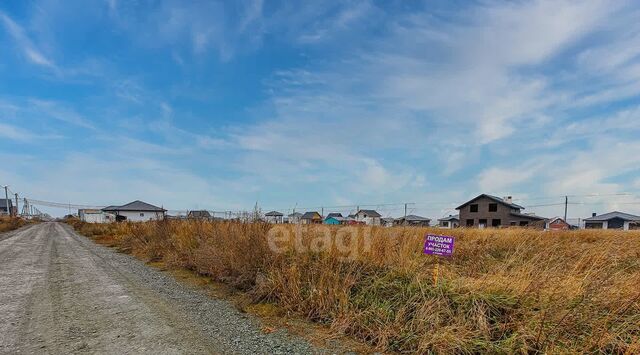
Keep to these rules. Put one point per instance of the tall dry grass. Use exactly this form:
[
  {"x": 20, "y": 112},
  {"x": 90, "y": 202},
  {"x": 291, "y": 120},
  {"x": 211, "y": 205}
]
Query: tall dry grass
[
  {"x": 504, "y": 291},
  {"x": 8, "y": 224}
]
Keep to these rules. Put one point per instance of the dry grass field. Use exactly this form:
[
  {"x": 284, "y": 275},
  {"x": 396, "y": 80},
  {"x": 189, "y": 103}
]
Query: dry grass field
[
  {"x": 504, "y": 291},
  {"x": 9, "y": 224}
]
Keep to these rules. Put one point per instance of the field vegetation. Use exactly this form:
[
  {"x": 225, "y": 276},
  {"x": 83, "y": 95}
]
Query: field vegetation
[
  {"x": 504, "y": 291},
  {"x": 8, "y": 224}
]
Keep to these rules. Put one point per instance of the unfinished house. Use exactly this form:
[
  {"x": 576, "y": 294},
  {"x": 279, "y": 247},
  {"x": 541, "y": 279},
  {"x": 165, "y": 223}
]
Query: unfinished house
[{"x": 485, "y": 211}]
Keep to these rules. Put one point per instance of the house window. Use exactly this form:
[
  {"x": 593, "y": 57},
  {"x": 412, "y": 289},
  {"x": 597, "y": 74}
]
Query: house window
[
  {"x": 445, "y": 224},
  {"x": 483, "y": 222},
  {"x": 473, "y": 208},
  {"x": 493, "y": 207},
  {"x": 513, "y": 223},
  {"x": 496, "y": 223},
  {"x": 141, "y": 214},
  {"x": 469, "y": 222}
]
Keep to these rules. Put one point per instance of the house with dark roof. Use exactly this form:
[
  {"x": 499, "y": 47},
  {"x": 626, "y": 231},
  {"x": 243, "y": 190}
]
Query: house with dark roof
[
  {"x": 136, "y": 211},
  {"x": 492, "y": 211},
  {"x": 368, "y": 217},
  {"x": 311, "y": 218},
  {"x": 449, "y": 222},
  {"x": 274, "y": 217},
  {"x": 334, "y": 214},
  {"x": 202, "y": 214},
  {"x": 613, "y": 220},
  {"x": 413, "y": 220}
]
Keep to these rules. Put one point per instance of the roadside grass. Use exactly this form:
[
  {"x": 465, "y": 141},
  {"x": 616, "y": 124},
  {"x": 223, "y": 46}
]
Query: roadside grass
[
  {"x": 504, "y": 291},
  {"x": 8, "y": 224}
]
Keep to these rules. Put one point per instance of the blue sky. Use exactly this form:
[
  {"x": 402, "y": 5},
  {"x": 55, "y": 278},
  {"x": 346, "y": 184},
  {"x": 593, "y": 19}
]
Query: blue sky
[{"x": 217, "y": 105}]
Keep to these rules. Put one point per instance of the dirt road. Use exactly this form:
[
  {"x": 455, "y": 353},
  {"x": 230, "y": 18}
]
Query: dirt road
[{"x": 61, "y": 293}]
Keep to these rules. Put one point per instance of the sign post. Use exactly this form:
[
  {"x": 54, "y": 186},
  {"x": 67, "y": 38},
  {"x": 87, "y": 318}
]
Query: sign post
[{"x": 438, "y": 245}]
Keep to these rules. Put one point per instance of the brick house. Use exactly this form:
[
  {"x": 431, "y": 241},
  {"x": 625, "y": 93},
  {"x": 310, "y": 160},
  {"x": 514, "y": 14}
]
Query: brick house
[
  {"x": 492, "y": 211},
  {"x": 558, "y": 223}
]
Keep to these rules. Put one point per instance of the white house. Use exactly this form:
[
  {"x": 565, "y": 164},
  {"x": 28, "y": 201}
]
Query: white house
[
  {"x": 368, "y": 217},
  {"x": 136, "y": 211},
  {"x": 613, "y": 220},
  {"x": 449, "y": 222},
  {"x": 95, "y": 216}
]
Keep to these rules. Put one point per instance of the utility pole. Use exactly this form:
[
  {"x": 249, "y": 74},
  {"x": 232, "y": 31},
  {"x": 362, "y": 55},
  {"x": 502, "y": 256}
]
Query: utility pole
[
  {"x": 17, "y": 209},
  {"x": 322, "y": 212},
  {"x": 566, "y": 203},
  {"x": 6, "y": 199},
  {"x": 405, "y": 210}
]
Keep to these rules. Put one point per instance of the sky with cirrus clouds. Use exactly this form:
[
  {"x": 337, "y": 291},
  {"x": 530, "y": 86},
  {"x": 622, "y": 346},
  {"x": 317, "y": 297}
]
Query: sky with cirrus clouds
[{"x": 219, "y": 104}]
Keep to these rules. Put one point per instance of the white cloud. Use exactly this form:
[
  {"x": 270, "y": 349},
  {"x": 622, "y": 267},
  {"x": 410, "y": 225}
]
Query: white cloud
[
  {"x": 59, "y": 112},
  {"x": 30, "y": 51},
  {"x": 500, "y": 180},
  {"x": 15, "y": 133},
  {"x": 22, "y": 135}
]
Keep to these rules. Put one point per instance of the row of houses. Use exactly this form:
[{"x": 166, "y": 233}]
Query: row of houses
[
  {"x": 366, "y": 217},
  {"x": 483, "y": 211}
]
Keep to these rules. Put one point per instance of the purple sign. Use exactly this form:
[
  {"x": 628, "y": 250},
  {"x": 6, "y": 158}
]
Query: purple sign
[{"x": 438, "y": 245}]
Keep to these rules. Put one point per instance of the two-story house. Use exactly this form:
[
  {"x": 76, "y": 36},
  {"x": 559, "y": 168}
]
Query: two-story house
[{"x": 492, "y": 211}]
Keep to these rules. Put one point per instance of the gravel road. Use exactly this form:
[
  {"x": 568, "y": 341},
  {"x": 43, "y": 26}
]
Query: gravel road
[{"x": 61, "y": 293}]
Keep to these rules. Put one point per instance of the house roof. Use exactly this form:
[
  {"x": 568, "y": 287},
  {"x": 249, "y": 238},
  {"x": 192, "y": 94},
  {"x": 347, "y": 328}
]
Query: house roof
[
  {"x": 135, "y": 206},
  {"x": 295, "y": 214},
  {"x": 370, "y": 213},
  {"x": 554, "y": 219},
  {"x": 494, "y": 198},
  {"x": 202, "y": 213},
  {"x": 450, "y": 218},
  {"x": 311, "y": 215},
  {"x": 611, "y": 215},
  {"x": 273, "y": 214},
  {"x": 414, "y": 218},
  {"x": 334, "y": 214},
  {"x": 527, "y": 216}
]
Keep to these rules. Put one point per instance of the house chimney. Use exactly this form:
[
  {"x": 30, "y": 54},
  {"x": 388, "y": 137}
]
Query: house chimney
[
  {"x": 508, "y": 199},
  {"x": 593, "y": 214}
]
